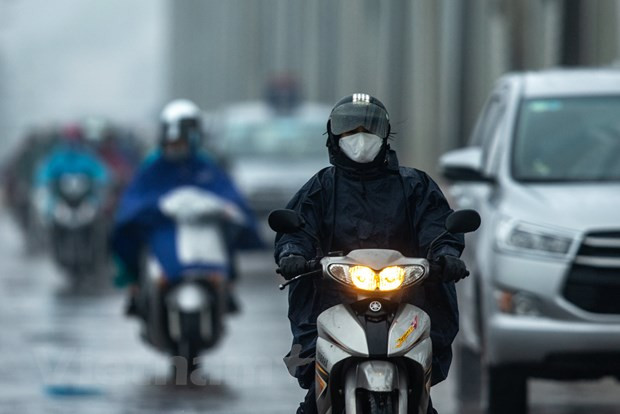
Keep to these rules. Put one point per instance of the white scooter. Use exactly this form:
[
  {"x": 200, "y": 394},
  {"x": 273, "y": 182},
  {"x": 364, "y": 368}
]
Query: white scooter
[
  {"x": 374, "y": 355},
  {"x": 77, "y": 232},
  {"x": 185, "y": 316}
]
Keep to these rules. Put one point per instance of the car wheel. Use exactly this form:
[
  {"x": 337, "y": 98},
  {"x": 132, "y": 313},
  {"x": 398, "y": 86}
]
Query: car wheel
[{"x": 506, "y": 390}]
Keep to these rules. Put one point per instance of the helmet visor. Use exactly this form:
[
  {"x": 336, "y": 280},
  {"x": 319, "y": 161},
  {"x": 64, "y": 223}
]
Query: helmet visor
[
  {"x": 350, "y": 116},
  {"x": 184, "y": 129}
]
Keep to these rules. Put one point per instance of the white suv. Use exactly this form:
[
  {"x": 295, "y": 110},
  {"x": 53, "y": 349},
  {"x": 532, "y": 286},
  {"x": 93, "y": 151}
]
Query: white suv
[{"x": 543, "y": 171}]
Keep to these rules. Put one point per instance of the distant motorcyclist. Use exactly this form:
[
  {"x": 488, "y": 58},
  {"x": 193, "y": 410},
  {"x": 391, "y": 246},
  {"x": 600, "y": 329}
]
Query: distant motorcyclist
[
  {"x": 177, "y": 163},
  {"x": 70, "y": 155},
  {"x": 365, "y": 200}
]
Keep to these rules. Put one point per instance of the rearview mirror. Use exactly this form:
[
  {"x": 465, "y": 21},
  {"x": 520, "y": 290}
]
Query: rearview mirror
[
  {"x": 463, "y": 221},
  {"x": 285, "y": 221},
  {"x": 463, "y": 165}
]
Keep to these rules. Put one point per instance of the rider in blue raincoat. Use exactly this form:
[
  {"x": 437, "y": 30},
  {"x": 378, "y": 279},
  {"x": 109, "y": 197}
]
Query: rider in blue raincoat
[
  {"x": 177, "y": 164},
  {"x": 69, "y": 156}
]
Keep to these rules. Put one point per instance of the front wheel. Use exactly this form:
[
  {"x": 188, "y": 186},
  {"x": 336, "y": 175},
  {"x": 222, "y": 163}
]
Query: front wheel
[
  {"x": 186, "y": 363},
  {"x": 372, "y": 402},
  {"x": 506, "y": 390}
]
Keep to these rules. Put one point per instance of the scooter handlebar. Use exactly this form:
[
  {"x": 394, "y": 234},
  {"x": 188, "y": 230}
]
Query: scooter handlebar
[
  {"x": 313, "y": 265},
  {"x": 314, "y": 268},
  {"x": 436, "y": 272},
  {"x": 435, "y": 269}
]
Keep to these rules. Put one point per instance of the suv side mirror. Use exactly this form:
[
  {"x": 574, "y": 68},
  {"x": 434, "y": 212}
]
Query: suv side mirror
[
  {"x": 463, "y": 165},
  {"x": 285, "y": 221}
]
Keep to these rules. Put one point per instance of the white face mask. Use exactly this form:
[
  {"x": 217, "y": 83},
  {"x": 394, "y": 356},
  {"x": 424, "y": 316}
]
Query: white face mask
[{"x": 361, "y": 147}]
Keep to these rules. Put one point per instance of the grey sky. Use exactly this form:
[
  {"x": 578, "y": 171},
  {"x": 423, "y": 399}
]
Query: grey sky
[{"x": 64, "y": 59}]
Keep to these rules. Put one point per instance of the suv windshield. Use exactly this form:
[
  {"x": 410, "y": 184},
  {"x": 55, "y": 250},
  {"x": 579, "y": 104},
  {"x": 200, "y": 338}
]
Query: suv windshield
[
  {"x": 281, "y": 137},
  {"x": 568, "y": 139}
]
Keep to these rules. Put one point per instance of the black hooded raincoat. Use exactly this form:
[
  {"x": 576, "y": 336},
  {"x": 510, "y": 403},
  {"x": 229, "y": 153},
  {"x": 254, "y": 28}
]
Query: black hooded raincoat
[{"x": 385, "y": 206}]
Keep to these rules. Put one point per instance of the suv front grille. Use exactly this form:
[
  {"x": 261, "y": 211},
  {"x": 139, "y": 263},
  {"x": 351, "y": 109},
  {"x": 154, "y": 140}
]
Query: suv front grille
[{"x": 593, "y": 283}]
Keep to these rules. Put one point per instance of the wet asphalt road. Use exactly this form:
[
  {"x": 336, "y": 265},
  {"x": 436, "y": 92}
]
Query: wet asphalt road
[{"x": 66, "y": 351}]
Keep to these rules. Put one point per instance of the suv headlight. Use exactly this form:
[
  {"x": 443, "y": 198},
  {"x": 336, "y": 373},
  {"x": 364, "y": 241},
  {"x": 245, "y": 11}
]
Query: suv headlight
[
  {"x": 385, "y": 280},
  {"x": 517, "y": 236}
]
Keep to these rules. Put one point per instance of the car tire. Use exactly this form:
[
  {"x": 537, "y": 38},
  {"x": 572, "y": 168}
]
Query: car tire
[{"x": 506, "y": 390}]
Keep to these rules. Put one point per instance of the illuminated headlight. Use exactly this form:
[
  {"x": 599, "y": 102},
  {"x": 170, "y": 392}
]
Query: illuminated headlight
[
  {"x": 73, "y": 218},
  {"x": 529, "y": 238},
  {"x": 63, "y": 214},
  {"x": 86, "y": 213},
  {"x": 189, "y": 298},
  {"x": 74, "y": 186},
  {"x": 385, "y": 280}
]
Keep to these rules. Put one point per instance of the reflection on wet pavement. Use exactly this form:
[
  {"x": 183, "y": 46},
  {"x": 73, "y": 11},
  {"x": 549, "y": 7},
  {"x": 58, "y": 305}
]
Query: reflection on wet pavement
[{"x": 66, "y": 351}]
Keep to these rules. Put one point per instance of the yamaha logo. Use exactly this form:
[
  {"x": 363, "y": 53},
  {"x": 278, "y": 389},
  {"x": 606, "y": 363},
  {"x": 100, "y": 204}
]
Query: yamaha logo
[{"x": 375, "y": 306}]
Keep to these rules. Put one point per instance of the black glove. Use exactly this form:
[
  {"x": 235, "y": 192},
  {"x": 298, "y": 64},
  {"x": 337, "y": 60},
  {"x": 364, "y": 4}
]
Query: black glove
[
  {"x": 452, "y": 269},
  {"x": 293, "y": 265}
]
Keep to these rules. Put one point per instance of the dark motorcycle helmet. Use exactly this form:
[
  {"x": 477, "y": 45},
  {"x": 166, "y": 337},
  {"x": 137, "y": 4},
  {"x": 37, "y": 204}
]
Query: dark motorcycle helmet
[{"x": 352, "y": 112}]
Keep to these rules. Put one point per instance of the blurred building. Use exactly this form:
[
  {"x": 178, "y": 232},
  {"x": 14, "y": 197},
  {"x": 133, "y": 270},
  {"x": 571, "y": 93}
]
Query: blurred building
[{"x": 431, "y": 61}]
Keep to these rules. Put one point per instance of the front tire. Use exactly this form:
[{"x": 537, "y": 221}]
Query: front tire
[
  {"x": 506, "y": 390},
  {"x": 188, "y": 352},
  {"x": 372, "y": 402}
]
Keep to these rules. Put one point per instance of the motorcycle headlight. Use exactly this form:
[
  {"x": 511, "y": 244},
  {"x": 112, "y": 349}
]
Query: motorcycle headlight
[
  {"x": 63, "y": 214},
  {"x": 74, "y": 186},
  {"x": 363, "y": 277},
  {"x": 189, "y": 298},
  {"x": 86, "y": 213},
  {"x": 528, "y": 238},
  {"x": 391, "y": 278},
  {"x": 385, "y": 280}
]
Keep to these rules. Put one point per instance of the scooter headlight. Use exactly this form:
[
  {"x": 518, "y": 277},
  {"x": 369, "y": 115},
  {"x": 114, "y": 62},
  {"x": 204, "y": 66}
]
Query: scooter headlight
[
  {"x": 363, "y": 277},
  {"x": 387, "y": 279},
  {"x": 189, "y": 298},
  {"x": 391, "y": 278}
]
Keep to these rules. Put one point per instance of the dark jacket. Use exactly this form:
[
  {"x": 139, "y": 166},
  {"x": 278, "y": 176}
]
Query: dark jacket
[{"x": 388, "y": 207}]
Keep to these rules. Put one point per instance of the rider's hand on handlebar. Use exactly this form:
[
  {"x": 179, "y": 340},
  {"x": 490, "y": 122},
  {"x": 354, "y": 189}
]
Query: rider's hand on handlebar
[
  {"x": 293, "y": 265},
  {"x": 452, "y": 269}
]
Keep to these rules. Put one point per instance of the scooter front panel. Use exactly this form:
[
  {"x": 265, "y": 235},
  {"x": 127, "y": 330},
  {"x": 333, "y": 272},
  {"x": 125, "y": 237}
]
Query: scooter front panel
[
  {"x": 201, "y": 243},
  {"x": 422, "y": 353},
  {"x": 341, "y": 327},
  {"x": 327, "y": 355},
  {"x": 410, "y": 326}
]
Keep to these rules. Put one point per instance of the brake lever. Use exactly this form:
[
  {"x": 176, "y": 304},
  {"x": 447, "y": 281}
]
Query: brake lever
[
  {"x": 312, "y": 264},
  {"x": 296, "y": 278}
]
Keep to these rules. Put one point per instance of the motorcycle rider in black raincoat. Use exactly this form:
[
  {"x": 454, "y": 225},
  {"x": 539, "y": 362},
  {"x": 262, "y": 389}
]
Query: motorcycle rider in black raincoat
[{"x": 366, "y": 200}]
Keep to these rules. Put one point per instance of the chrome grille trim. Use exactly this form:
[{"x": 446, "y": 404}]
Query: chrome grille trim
[
  {"x": 602, "y": 242},
  {"x": 598, "y": 261}
]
